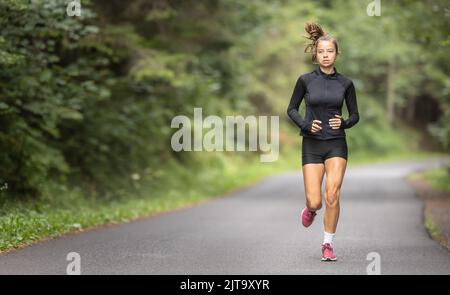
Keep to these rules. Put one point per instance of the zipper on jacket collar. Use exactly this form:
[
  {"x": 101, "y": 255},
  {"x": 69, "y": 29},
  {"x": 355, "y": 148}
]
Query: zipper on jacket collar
[{"x": 319, "y": 71}]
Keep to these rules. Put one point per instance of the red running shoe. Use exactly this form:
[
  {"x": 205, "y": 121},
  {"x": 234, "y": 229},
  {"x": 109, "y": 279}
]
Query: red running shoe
[
  {"x": 307, "y": 217},
  {"x": 327, "y": 253}
]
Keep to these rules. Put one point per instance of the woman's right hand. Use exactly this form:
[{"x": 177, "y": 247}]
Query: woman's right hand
[{"x": 315, "y": 126}]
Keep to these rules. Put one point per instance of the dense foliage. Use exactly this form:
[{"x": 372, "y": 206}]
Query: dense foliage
[{"x": 88, "y": 100}]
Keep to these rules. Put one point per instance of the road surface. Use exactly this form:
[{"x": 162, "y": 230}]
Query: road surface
[{"x": 257, "y": 230}]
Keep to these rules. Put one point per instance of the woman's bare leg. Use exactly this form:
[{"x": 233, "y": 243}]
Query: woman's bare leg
[
  {"x": 312, "y": 179},
  {"x": 335, "y": 170}
]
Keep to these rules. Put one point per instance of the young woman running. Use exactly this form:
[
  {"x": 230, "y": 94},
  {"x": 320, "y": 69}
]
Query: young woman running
[{"x": 324, "y": 145}]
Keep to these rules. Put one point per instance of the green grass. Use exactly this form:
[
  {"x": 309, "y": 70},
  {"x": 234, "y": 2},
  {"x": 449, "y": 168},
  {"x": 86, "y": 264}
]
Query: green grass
[
  {"x": 435, "y": 232},
  {"x": 438, "y": 178},
  {"x": 175, "y": 186},
  {"x": 433, "y": 228}
]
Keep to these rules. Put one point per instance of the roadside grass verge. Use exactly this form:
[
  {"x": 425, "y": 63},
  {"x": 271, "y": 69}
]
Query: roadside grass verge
[{"x": 170, "y": 188}]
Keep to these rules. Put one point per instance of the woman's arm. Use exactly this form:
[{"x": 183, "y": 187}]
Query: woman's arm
[
  {"x": 352, "y": 107},
  {"x": 294, "y": 105}
]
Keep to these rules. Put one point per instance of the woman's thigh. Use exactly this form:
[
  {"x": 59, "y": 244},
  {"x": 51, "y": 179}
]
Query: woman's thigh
[
  {"x": 335, "y": 169},
  {"x": 312, "y": 179}
]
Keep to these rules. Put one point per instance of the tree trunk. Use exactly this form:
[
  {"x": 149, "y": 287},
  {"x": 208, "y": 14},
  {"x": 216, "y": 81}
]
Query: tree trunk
[
  {"x": 411, "y": 111},
  {"x": 390, "y": 99}
]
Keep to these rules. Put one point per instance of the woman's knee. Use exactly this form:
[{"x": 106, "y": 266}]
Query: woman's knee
[
  {"x": 332, "y": 197},
  {"x": 314, "y": 204}
]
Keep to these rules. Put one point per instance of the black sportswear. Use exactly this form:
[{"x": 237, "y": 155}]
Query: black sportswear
[
  {"x": 317, "y": 151},
  {"x": 324, "y": 96}
]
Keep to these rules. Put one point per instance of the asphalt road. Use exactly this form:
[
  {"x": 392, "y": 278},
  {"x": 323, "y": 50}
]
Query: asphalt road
[{"x": 257, "y": 230}]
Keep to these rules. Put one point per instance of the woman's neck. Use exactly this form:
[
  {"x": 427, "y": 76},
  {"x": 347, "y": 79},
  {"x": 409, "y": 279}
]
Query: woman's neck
[{"x": 327, "y": 70}]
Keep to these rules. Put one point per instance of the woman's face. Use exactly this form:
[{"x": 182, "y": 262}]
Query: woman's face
[{"x": 326, "y": 53}]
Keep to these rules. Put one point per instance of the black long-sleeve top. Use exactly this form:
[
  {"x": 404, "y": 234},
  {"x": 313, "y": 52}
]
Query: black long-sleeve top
[{"x": 324, "y": 96}]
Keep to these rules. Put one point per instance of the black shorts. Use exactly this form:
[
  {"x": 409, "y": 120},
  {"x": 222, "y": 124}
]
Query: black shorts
[{"x": 317, "y": 151}]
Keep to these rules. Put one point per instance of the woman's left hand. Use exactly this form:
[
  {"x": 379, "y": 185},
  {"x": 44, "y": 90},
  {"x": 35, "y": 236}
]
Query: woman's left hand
[{"x": 335, "y": 123}]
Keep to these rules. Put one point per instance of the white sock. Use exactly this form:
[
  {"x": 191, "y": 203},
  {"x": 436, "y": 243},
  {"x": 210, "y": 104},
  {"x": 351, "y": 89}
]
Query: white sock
[{"x": 328, "y": 238}]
